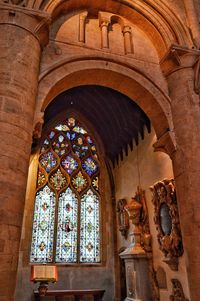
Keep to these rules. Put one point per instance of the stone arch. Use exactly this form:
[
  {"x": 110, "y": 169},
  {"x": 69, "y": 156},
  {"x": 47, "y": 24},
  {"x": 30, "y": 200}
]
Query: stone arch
[
  {"x": 156, "y": 19},
  {"x": 104, "y": 72}
]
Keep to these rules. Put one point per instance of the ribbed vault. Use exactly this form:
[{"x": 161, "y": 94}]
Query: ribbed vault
[{"x": 117, "y": 119}]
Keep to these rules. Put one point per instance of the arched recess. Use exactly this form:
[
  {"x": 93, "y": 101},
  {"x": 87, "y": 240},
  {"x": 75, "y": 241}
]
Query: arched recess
[
  {"x": 98, "y": 71},
  {"x": 158, "y": 20}
]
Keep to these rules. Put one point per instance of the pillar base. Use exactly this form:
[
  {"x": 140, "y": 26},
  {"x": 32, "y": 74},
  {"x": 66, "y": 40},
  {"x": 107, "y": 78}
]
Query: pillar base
[{"x": 138, "y": 282}]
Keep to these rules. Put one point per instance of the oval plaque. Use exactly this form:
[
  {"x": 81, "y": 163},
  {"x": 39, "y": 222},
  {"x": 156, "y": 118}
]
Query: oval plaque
[{"x": 165, "y": 219}]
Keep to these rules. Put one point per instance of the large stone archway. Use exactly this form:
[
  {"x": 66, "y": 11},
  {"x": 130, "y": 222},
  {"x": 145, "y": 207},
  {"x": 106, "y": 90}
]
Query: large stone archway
[{"x": 121, "y": 77}]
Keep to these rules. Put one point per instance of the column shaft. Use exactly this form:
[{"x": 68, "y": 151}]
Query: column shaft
[
  {"x": 19, "y": 67},
  {"x": 186, "y": 163}
]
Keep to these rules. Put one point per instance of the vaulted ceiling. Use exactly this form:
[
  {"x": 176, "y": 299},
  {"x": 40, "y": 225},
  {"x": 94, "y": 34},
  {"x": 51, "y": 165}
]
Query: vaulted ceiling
[{"x": 117, "y": 119}]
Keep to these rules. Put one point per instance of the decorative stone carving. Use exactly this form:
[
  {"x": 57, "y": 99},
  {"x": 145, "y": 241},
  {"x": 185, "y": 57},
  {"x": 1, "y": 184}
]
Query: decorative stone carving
[
  {"x": 177, "y": 291},
  {"x": 141, "y": 237},
  {"x": 166, "y": 218},
  {"x": 123, "y": 218},
  {"x": 138, "y": 256}
]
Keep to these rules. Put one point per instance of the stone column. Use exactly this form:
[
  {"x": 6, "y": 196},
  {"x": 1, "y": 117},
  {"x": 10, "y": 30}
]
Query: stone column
[
  {"x": 178, "y": 66},
  {"x": 128, "y": 45},
  {"x": 22, "y": 32},
  {"x": 104, "y": 34},
  {"x": 82, "y": 19}
]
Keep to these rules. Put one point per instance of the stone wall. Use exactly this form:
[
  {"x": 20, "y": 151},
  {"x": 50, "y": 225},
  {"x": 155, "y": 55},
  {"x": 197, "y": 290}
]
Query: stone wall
[{"x": 153, "y": 166}]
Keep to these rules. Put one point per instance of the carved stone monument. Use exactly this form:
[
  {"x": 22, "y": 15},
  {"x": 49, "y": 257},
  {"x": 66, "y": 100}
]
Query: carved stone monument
[{"x": 137, "y": 256}]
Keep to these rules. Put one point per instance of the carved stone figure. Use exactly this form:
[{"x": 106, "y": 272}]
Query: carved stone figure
[{"x": 166, "y": 218}]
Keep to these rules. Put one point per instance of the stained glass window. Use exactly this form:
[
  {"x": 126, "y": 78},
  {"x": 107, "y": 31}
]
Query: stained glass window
[{"x": 67, "y": 202}]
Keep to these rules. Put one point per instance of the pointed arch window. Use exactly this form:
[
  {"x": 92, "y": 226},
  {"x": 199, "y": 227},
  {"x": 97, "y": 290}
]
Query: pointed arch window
[{"x": 66, "y": 224}]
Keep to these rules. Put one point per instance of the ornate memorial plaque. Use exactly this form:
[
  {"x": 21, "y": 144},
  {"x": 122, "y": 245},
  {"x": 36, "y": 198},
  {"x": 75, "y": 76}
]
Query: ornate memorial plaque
[{"x": 166, "y": 218}]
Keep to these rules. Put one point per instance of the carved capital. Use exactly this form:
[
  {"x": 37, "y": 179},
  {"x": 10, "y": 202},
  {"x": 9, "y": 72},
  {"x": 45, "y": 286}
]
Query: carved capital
[
  {"x": 104, "y": 19},
  {"x": 83, "y": 15},
  {"x": 178, "y": 57},
  {"x": 166, "y": 143},
  {"x": 36, "y": 23},
  {"x": 127, "y": 29}
]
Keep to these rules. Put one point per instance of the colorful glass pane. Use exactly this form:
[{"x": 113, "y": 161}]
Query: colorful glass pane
[
  {"x": 90, "y": 166},
  {"x": 79, "y": 129},
  {"x": 43, "y": 226},
  {"x": 79, "y": 182},
  {"x": 73, "y": 229},
  {"x": 89, "y": 140},
  {"x": 66, "y": 246},
  {"x": 89, "y": 228},
  {"x": 52, "y": 134},
  {"x": 71, "y": 121},
  {"x": 58, "y": 180},
  {"x": 80, "y": 150},
  {"x": 71, "y": 135},
  {"x": 69, "y": 164},
  {"x": 48, "y": 161},
  {"x": 60, "y": 145},
  {"x": 62, "y": 127}
]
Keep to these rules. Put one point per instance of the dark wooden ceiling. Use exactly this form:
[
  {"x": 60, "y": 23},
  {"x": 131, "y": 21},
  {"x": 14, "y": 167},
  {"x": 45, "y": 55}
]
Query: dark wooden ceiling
[{"x": 117, "y": 119}]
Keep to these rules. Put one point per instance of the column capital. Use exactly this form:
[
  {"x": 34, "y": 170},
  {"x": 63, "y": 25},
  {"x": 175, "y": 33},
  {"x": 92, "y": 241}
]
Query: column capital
[
  {"x": 104, "y": 19},
  {"x": 34, "y": 22},
  {"x": 166, "y": 144},
  {"x": 178, "y": 57},
  {"x": 83, "y": 15},
  {"x": 126, "y": 28}
]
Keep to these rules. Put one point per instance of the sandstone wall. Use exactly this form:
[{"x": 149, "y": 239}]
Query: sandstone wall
[{"x": 153, "y": 166}]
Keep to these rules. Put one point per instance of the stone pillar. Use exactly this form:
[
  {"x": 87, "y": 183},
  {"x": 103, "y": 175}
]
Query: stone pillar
[
  {"x": 82, "y": 19},
  {"x": 128, "y": 45},
  {"x": 104, "y": 34},
  {"x": 22, "y": 33},
  {"x": 178, "y": 66}
]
